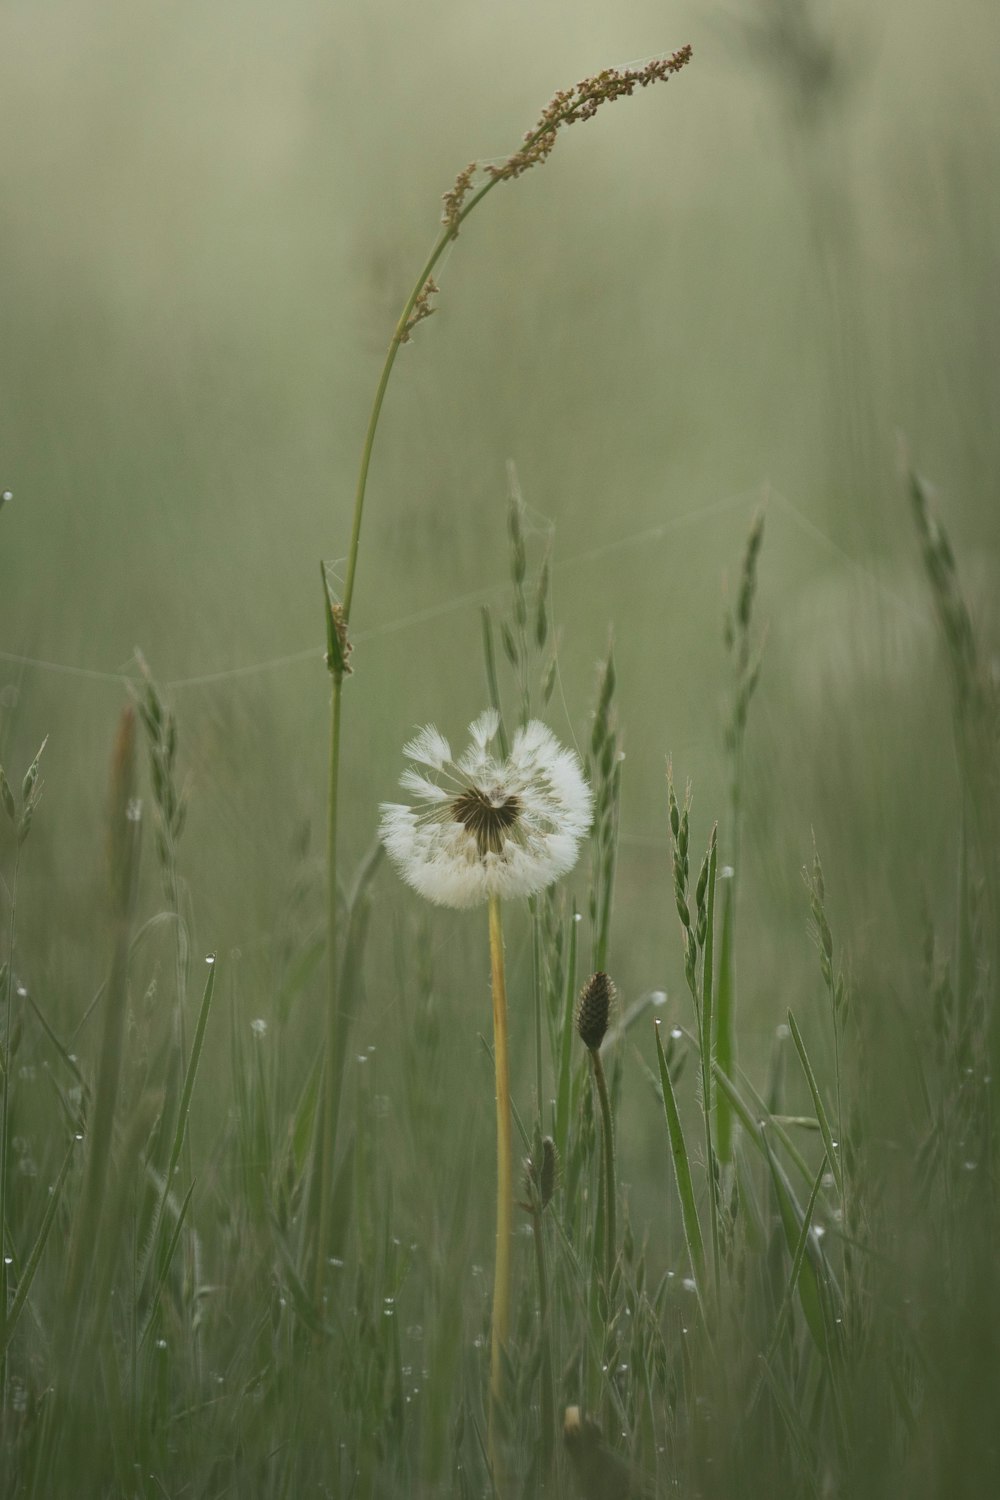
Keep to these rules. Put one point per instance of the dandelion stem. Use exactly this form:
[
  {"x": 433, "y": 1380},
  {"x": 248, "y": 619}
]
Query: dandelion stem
[{"x": 505, "y": 1178}]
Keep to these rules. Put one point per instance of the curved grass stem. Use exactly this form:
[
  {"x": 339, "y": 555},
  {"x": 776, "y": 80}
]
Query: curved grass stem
[{"x": 575, "y": 104}]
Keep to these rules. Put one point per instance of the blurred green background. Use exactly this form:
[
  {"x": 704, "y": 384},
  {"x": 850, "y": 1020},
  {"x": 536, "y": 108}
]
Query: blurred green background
[{"x": 735, "y": 289}]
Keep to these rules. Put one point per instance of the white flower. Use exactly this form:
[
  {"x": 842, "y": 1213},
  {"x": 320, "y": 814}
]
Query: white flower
[{"x": 484, "y": 827}]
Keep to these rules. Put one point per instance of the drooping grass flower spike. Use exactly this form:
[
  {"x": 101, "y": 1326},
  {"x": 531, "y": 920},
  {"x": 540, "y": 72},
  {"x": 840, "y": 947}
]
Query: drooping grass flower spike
[
  {"x": 482, "y": 829},
  {"x": 569, "y": 107}
]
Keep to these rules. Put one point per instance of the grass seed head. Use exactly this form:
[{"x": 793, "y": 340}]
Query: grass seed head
[{"x": 593, "y": 1010}]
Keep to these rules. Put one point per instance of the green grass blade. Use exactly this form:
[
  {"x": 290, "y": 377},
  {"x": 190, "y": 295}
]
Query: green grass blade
[
  {"x": 191, "y": 1073},
  {"x": 707, "y": 1053},
  {"x": 187, "y": 1092},
  {"x": 813, "y": 1286},
  {"x": 725, "y": 1023},
  {"x": 793, "y": 1280},
  {"x": 682, "y": 1168},
  {"x": 164, "y": 1270},
  {"x": 833, "y": 1155},
  {"x": 492, "y": 684},
  {"x": 31, "y": 1264},
  {"x": 751, "y": 1119},
  {"x": 566, "y": 1044}
]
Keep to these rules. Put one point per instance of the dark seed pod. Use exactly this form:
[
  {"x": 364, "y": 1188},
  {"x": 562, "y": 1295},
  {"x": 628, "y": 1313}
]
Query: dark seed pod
[{"x": 593, "y": 1009}]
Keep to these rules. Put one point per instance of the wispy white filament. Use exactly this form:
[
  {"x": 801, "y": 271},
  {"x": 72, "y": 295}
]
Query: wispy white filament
[{"x": 481, "y": 826}]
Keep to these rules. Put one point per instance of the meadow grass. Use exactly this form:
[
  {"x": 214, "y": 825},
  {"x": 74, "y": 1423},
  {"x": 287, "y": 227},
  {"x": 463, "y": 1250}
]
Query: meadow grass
[
  {"x": 811, "y": 1313},
  {"x": 297, "y": 1298}
]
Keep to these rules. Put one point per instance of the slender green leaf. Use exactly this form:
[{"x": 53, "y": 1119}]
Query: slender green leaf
[
  {"x": 682, "y": 1168},
  {"x": 833, "y": 1155},
  {"x": 165, "y": 1264},
  {"x": 31, "y": 1264},
  {"x": 814, "y": 1284},
  {"x": 725, "y": 1022},
  {"x": 566, "y": 1043}
]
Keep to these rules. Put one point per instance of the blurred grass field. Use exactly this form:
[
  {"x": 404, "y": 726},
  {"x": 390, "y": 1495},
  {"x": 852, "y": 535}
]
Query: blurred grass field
[{"x": 732, "y": 294}]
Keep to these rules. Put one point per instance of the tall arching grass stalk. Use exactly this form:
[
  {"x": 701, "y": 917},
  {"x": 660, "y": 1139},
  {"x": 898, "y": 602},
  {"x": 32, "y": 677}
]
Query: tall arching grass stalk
[{"x": 569, "y": 106}]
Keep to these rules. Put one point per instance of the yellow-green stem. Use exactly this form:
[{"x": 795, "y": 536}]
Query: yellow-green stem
[
  {"x": 334, "y": 1025},
  {"x": 505, "y": 1180}
]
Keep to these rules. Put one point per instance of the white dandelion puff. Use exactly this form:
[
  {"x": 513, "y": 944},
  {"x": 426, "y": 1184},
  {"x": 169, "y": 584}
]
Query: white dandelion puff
[{"x": 487, "y": 827}]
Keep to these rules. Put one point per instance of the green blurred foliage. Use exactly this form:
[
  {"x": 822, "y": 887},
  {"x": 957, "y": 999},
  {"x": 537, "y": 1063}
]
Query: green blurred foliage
[{"x": 734, "y": 289}]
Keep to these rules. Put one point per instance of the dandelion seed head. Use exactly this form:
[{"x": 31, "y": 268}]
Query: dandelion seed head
[{"x": 482, "y": 826}]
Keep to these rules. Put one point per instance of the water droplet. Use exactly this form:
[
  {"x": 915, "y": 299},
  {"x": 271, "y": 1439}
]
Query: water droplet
[
  {"x": 370, "y": 1048},
  {"x": 210, "y": 960},
  {"x": 727, "y": 872},
  {"x": 161, "y": 1343},
  {"x": 970, "y": 1166},
  {"x": 657, "y": 997},
  {"x": 819, "y": 1230},
  {"x": 259, "y": 1026},
  {"x": 6, "y": 496},
  {"x": 689, "y": 1284},
  {"x": 78, "y": 1136},
  {"x": 133, "y": 810},
  {"x": 332, "y": 1261},
  {"x": 676, "y": 1032},
  {"x": 782, "y": 1032},
  {"x": 8, "y": 1260},
  {"x": 362, "y": 1057},
  {"x": 578, "y": 916}
]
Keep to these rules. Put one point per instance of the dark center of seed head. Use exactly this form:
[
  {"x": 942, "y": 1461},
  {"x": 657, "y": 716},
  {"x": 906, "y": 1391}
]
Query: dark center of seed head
[{"x": 485, "y": 820}]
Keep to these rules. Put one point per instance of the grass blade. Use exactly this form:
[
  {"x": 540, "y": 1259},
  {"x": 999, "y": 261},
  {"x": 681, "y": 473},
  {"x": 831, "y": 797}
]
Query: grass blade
[
  {"x": 682, "y": 1168},
  {"x": 833, "y": 1156},
  {"x": 566, "y": 1049},
  {"x": 31, "y": 1264},
  {"x": 187, "y": 1092}
]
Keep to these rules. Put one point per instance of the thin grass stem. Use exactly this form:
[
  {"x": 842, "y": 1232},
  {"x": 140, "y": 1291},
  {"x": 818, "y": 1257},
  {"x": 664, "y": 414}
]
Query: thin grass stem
[
  {"x": 505, "y": 1181},
  {"x": 610, "y": 1251}
]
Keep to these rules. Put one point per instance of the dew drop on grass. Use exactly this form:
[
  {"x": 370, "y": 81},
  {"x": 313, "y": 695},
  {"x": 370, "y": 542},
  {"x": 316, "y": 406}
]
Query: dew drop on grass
[
  {"x": 6, "y": 496},
  {"x": 8, "y": 1260},
  {"x": 676, "y": 1033},
  {"x": 970, "y": 1166},
  {"x": 657, "y": 997},
  {"x": 210, "y": 960}
]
